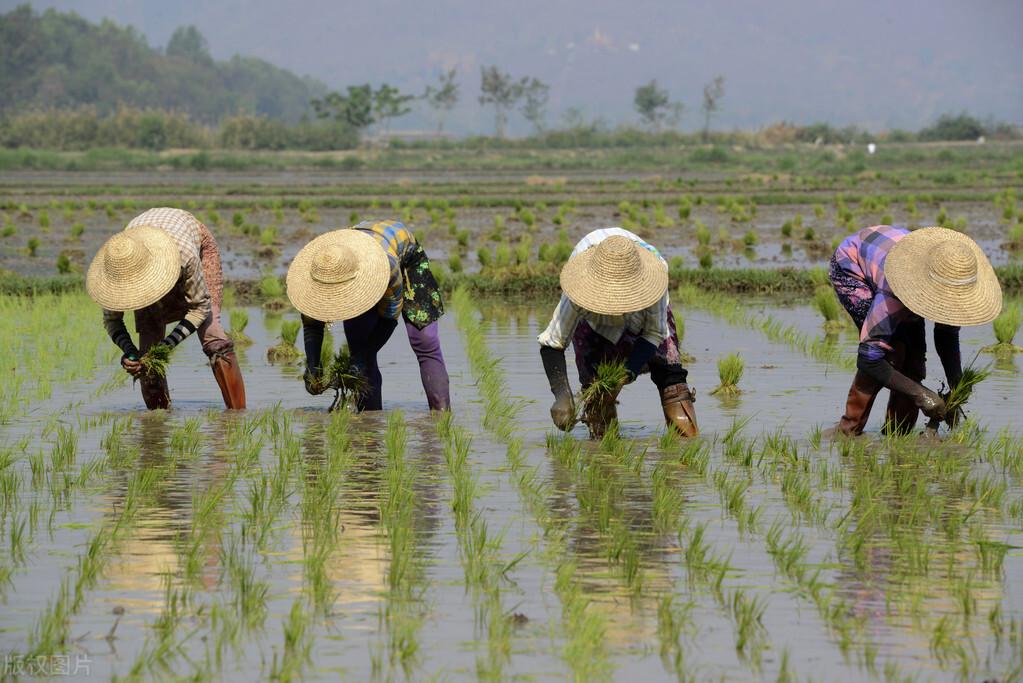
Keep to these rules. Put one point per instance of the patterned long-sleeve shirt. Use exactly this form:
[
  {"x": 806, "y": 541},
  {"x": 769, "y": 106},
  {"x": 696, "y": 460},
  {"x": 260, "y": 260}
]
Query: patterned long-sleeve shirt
[
  {"x": 651, "y": 323},
  {"x": 190, "y": 292},
  {"x": 863, "y": 255},
  {"x": 397, "y": 242}
]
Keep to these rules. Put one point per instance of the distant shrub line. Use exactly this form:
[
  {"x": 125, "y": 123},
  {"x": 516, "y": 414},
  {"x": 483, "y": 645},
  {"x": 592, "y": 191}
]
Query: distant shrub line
[{"x": 535, "y": 281}]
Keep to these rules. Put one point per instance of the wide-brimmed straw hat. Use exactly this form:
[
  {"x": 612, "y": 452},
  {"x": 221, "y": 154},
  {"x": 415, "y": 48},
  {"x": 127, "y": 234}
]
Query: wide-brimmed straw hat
[
  {"x": 614, "y": 277},
  {"x": 942, "y": 275},
  {"x": 338, "y": 276},
  {"x": 133, "y": 269}
]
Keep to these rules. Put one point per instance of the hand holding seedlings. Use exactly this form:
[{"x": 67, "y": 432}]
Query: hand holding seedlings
[
  {"x": 154, "y": 361},
  {"x": 956, "y": 397}
]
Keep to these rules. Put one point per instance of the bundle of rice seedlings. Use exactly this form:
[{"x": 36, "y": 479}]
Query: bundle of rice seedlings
[
  {"x": 239, "y": 321},
  {"x": 608, "y": 377},
  {"x": 286, "y": 351},
  {"x": 155, "y": 360},
  {"x": 957, "y": 396},
  {"x": 348, "y": 384},
  {"x": 828, "y": 305},
  {"x": 1006, "y": 326},
  {"x": 730, "y": 370}
]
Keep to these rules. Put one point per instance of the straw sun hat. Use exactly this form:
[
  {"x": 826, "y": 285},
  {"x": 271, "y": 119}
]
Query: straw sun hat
[
  {"x": 614, "y": 277},
  {"x": 338, "y": 276},
  {"x": 942, "y": 275},
  {"x": 133, "y": 269}
]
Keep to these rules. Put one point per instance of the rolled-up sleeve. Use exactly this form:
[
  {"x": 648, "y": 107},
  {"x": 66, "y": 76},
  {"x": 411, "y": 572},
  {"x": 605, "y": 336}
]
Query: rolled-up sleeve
[
  {"x": 562, "y": 326},
  {"x": 655, "y": 324}
]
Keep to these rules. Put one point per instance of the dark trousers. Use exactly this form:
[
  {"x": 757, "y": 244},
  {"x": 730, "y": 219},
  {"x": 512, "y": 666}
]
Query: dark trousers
[{"x": 367, "y": 334}]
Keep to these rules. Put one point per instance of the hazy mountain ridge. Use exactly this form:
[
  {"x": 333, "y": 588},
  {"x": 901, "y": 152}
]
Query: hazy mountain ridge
[{"x": 62, "y": 60}]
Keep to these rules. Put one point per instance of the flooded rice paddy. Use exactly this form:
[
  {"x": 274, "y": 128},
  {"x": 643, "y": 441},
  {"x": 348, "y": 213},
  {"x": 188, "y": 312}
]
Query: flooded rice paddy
[{"x": 287, "y": 543}]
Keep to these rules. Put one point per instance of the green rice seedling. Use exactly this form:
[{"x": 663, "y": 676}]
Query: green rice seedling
[
  {"x": 809, "y": 234},
  {"x": 942, "y": 217},
  {"x": 829, "y": 307},
  {"x": 9, "y": 228},
  {"x": 750, "y": 238},
  {"x": 33, "y": 245},
  {"x": 1005, "y": 326},
  {"x": 155, "y": 360},
  {"x": 348, "y": 383},
  {"x": 44, "y": 220},
  {"x": 609, "y": 377},
  {"x": 485, "y": 257},
  {"x": 462, "y": 237},
  {"x": 77, "y": 230},
  {"x": 239, "y": 321},
  {"x": 286, "y": 351},
  {"x": 455, "y": 262},
  {"x": 502, "y": 255},
  {"x": 957, "y": 396},
  {"x": 268, "y": 236},
  {"x": 63, "y": 264},
  {"x": 706, "y": 260},
  {"x": 786, "y": 229},
  {"x": 730, "y": 369},
  {"x": 702, "y": 234},
  {"x": 270, "y": 287}
]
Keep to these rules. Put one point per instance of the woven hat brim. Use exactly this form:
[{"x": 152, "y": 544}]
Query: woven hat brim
[
  {"x": 344, "y": 300},
  {"x": 158, "y": 276},
  {"x": 906, "y": 269},
  {"x": 588, "y": 290}
]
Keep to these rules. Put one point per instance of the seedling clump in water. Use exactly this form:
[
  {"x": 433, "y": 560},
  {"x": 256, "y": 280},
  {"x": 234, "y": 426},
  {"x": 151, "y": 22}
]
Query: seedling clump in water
[
  {"x": 239, "y": 321},
  {"x": 1006, "y": 326},
  {"x": 730, "y": 370},
  {"x": 286, "y": 351},
  {"x": 829, "y": 307}
]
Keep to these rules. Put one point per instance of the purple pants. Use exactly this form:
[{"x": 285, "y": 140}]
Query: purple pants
[{"x": 368, "y": 333}]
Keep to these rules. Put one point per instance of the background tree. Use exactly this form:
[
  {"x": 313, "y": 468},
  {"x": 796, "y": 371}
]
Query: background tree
[
  {"x": 389, "y": 103},
  {"x": 503, "y": 92},
  {"x": 712, "y": 94},
  {"x": 653, "y": 104},
  {"x": 354, "y": 108},
  {"x": 188, "y": 43},
  {"x": 442, "y": 98},
  {"x": 534, "y": 108}
]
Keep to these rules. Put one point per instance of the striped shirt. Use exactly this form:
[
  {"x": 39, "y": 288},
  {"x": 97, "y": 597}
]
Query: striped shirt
[
  {"x": 396, "y": 241},
  {"x": 190, "y": 292},
  {"x": 651, "y": 323},
  {"x": 863, "y": 256}
]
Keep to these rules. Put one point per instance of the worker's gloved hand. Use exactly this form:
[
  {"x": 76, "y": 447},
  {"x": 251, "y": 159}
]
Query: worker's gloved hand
[
  {"x": 929, "y": 403},
  {"x": 563, "y": 408},
  {"x": 563, "y": 411},
  {"x": 314, "y": 384},
  {"x": 130, "y": 363}
]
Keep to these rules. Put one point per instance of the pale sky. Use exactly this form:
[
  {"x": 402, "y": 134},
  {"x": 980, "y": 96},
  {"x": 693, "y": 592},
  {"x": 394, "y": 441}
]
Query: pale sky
[{"x": 878, "y": 64}]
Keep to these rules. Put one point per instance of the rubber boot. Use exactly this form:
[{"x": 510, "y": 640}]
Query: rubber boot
[
  {"x": 229, "y": 376},
  {"x": 903, "y": 413},
  {"x": 862, "y": 393},
  {"x": 599, "y": 413},
  {"x": 677, "y": 403},
  {"x": 155, "y": 393}
]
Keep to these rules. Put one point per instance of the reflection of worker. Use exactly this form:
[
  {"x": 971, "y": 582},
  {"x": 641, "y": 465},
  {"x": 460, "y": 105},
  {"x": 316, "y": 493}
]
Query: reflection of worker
[
  {"x": 614, "y": 307},
  {"x": 165, "y": 266},
  {"x": 889, "y": 280},
  {"x": 369, "y": 276}
]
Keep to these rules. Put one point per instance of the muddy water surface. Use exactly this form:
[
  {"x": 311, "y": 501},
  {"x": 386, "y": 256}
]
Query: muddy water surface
[{"x": 784, "y": 394}]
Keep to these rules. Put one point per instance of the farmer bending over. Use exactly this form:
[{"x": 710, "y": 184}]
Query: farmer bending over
[
  {"x": 614, "y": 308},
  {"x": 369, "y": 276},
  {"x": 889, "y": 280},
  {"x": 165, "y": 266}
]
